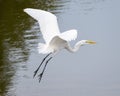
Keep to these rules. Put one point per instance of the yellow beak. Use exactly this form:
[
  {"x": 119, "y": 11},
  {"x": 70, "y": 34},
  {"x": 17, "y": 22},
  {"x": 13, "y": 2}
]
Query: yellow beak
[{"x": 90, "y": 42}]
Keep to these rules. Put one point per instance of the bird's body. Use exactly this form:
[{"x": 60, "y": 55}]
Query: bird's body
[
  {"x": 55, "y": 45},
  {"x": 54, "y": 40}
]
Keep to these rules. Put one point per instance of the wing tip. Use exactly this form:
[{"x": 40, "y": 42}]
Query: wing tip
[{"x": 27, "y": 9}]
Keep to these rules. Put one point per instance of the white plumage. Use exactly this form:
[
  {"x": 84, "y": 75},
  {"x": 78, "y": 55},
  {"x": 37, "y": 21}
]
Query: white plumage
[
  {"x": 47, "y": 22},
  {"x": 54, "y": 40},
  {"x": 49, "y": 28}
]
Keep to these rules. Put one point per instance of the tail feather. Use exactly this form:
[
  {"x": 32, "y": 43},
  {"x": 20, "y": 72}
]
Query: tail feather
[{"x": 43, "y": 48}]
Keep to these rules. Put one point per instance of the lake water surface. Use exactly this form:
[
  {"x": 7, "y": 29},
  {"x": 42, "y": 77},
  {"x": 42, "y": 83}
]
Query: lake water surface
[{"x": 92, "y": 71}]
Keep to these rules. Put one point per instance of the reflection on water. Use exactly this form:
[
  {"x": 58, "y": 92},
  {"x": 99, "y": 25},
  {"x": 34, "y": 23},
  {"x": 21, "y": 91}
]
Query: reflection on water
[
  {"x": 86, "y": 6},
  {"x": 17, "y": 37},
  {"x": 19, "y": 34}
]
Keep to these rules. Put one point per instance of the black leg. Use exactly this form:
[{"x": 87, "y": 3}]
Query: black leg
[
  {"x": 41, "y": 74},
  {"x": 35, "y": 72}
]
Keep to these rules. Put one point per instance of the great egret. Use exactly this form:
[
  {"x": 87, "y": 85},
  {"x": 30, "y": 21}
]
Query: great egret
[{"x": 54, "y": 40}]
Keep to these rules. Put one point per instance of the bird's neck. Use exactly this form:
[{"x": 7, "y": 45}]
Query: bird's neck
[{"x": 76, "y": 47}]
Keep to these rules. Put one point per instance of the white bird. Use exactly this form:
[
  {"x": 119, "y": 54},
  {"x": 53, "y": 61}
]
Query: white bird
[{"x": 54, "y": 40}]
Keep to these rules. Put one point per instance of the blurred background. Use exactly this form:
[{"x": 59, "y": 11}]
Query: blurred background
[{"x": 92, "y": 71}]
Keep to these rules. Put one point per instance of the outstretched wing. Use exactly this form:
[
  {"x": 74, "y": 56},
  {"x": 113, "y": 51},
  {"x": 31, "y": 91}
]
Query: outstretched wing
[
  {"x": 47, "y": 22},
  {"x": 69, "y": 35}
]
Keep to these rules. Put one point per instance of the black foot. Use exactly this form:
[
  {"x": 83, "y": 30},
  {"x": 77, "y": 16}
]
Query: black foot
[
  {"x": 35, "y": 72},
  {"x": 40, "y": 76}
]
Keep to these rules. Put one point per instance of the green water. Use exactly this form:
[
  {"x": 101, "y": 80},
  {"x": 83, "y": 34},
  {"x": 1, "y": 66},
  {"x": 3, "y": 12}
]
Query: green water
[{"x": 16, "y": 39}]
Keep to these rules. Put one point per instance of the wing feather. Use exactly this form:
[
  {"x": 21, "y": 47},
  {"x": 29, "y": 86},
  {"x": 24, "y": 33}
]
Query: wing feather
[
  {"x": 69, "y": 35},
  {"x": 47, "y": 22}
]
